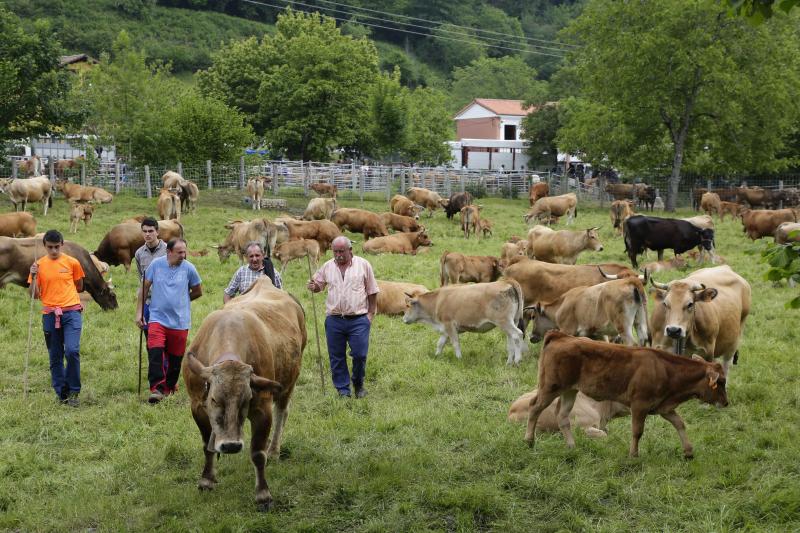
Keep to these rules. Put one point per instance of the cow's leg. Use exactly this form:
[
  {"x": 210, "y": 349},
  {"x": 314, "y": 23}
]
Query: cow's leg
[
  {"x": 565, "y": 408},
  {"x": 675, "y": 419},
  {"x": 638, "y": 416},
  {"x": 441, "y": 343},
  {"x": 514, "y": 341},
  {"x": 260, "y": 424},
  {"x": 660, "y": 255},
  {"x": 452, "y": 332},
  {"x": 538, "y": 404},
  {"x": 208, "y": 479},
  {"x": 281, "y": 413}
]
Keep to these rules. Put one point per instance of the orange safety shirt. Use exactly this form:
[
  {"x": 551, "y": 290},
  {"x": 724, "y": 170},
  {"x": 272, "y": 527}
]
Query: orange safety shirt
[{"x": 56, "y": 281}]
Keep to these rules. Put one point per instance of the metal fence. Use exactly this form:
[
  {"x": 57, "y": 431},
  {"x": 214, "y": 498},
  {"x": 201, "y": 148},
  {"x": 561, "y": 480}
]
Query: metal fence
[{"x": 292, "y": 179}]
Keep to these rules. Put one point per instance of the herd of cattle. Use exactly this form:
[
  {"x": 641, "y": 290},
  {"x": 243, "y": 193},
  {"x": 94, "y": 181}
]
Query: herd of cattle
[{"x": 247, "y": 356}]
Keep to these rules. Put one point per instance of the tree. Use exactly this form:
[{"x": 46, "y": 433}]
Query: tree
[
  {"x": 388, "y": 120},
  {"x": 539, "y": 128},
  {"x": 670, "y": 77},
  {"x": 33, "y": 88},
  {"x": 757, "y": 11},
  {"x": 429, "y": 126},
  {"x": 506, "y": 77}
]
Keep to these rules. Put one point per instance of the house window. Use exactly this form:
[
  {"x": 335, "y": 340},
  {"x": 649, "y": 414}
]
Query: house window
[{"x": 509, "y": 132}]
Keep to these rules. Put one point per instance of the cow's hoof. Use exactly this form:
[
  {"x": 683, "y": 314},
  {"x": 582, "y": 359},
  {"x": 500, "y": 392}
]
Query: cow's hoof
[
  {"x": 535, "y": 339},
  {"x": 264, "y": 506},
  {"x": 206, "y": 484},
  {"x": 689, "y": 454}
]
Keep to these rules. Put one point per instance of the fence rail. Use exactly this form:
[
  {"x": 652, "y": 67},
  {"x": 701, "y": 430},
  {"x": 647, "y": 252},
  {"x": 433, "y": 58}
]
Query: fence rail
[{"x": 288, "y": 179}]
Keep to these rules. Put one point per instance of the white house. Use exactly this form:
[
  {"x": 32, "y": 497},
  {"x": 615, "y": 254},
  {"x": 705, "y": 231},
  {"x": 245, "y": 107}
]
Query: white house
[{"x": 488, "y": 135}]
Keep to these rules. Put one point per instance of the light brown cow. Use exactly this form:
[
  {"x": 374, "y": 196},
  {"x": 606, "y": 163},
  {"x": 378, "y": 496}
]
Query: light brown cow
[
  {"x": 470, "y": 220},
  {"x": 255, "y": 190},
  {"x": 359, "y": 221},
  {"x": 171, "y": 180},
  {"x": 428, "y": 199},
  {"x": 615, "y": 307},
  {"x": 119, "y": 245},
  {"x": 787, "y": 232},
  {"x": 703, "y": 314},
  {"x": 168, "y": 205},
  {"x": 22, "y": 191},
  {"x": 538, "y": 190},
  {"x": 190, "y": 193},
  {"x": 20, "y": 224},
  {"x": 320, "y": 209},
  {"x": 290, "y": 250},
  {"x": 563, "y": 246},
  {"x": 513, "y": 249},
  {"x": 243, "y": 362},
  {"x": 400, "y": 222},
  {"x": 63, "y": 164},
  {"x": 554, "y": 206},
  {"x": 322, "y": 231},
  {"x": 647, "y": 380},
  {"x": 710, "y": 204},
  {"x": 324, "y": 189},
  {"x": 729, "y": 208},
  {"x": 476, "y": 307},
  {"x": 79, "y": 212},
  {"x": 589, "y": 414},
  {"x": 242, "y": 233},
  {"x": 32, "y": 166},
  {"x": 78, "y": 193},
  {"x": 455, "y": 267},
  {"x": 676, "y": 263},
  {"x": 400, "y": 205},
  {"x": 763, "y": 223},
  {"x": 485, "y": 226},
  {"x": 399, "y": 243},
  {"x": 620, "y": 211},
  {"x": 393, "y": 294}
]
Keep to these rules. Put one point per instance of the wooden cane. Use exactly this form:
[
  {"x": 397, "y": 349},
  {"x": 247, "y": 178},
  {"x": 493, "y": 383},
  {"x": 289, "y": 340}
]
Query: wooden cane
[
  {"x": 141, "y": 336},
  {"x": 316, "y": 330},
  {"x": 30, "y": 328}
]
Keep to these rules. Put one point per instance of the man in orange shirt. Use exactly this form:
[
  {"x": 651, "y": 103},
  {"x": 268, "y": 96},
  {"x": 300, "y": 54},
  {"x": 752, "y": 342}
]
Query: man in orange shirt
[{"x": 59, "y": 279}]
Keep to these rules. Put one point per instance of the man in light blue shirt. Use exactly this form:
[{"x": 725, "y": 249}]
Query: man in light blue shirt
[{"x": 175, "y": 283}]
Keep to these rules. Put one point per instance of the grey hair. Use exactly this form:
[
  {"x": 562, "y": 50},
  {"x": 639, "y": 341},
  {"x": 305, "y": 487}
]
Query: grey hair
[
  {"x": 342, "y": 238},
  {"x": 253, "y": 243}
]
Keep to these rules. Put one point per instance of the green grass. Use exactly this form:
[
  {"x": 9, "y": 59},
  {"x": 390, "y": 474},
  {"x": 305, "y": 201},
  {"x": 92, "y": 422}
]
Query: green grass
[{"x": 428, "y": 450}]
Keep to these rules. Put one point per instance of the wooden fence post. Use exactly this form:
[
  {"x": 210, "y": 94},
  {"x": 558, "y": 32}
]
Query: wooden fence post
[
  {"x": 780, "y": 188},
  {"x": 353, "y": 175},
  {"x": 148, "y": 187},
  {"x": 304, "y": 175},
  {"x": 117, "y": 183},
  {"x": 180, "y": 168},
  {"x": 274, "y": 173},
  {"x": 83, "y": 174},
  {"x": 14, "y": 168},
  {"x": 51, "y": 163},
  {"x": 241, "y": 173},
  {"x": 208, "y": 173}
]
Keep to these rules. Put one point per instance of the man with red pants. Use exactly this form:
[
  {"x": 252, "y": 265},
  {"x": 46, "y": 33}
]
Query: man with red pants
[{"x": 175, "y": 283}]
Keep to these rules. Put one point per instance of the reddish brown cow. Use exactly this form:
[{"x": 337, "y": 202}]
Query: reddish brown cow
[
  {"x": 538, "y": 190},
  {"x": 121, "y": 242},
  {"x": 324, "y": 189},
  {"x": 21, "y": 224},
  {"x": 359, "y": 221},
  {"x": 400, "y": 222},
  {"x": 763, "y": 223},
  {"x": 399, "y": 243},
  {"x": 459, "y": 268},
  {"x": 400, "y": 205},
  {"x": 322, "y": 231},
  {"x": 648, "y": 380}
]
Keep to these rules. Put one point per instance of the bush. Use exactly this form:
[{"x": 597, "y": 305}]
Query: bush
[
  {"x": 509, "y": 191},
  {"x": 477, "y": 190}
]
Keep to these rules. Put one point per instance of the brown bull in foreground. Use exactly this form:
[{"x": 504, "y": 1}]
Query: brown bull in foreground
[
  {"x": 244, "y": 359},
  {"x": 119, "y": 245},
  {"x": 648, "y": 380}
]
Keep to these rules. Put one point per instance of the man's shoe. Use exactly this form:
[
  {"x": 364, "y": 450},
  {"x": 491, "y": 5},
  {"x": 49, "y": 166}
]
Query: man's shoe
[
  {"x": 344, "y": 393},
  {"x": 155, "y": 396},
  {"x": 73, "y": 401},
  {"x": 361, "y": 392},
  {"x": 60, "y": 400}
]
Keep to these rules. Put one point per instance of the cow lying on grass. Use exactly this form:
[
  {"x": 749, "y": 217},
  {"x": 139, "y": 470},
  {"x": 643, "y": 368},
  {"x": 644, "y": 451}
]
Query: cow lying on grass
[{"x": 591, "y": 415}]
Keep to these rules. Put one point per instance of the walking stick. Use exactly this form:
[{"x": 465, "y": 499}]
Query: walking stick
[
  {"x": 30, "y": 328},
  {"x": 141, "y": 336},
  {"x": 316, "y": 330}
]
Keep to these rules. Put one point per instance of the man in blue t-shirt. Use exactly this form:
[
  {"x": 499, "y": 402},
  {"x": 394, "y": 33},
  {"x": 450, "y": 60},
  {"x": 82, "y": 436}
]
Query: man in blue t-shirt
[{"x": 175, "y": 283}]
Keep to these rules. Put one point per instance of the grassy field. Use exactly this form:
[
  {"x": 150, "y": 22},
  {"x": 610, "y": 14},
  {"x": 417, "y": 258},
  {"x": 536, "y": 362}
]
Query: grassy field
[{"x": 428, "y": 450}]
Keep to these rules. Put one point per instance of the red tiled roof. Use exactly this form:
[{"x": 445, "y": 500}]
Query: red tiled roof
[{"x": 499, "y": 107}]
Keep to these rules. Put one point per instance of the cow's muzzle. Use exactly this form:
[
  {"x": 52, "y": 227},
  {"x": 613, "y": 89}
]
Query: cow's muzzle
[
  {"x": 674, "y": 332},
  {"x": 230, "y": 447}
]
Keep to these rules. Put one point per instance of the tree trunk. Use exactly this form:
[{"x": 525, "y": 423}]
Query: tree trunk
[{"x": 675, "y": 178}]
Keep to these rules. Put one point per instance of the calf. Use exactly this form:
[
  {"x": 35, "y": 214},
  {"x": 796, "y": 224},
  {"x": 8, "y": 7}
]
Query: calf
[
  {"x": 430, "y": 200},
  {"x": 787, "y": 232},
  {"x": 562, "y": 246},
  {"x": 538, "y": 190},
  {"x": 400, "y": 205},
  {"x": 710, "y": 204},
  {"x": 399, "y": 243},
  {"x": 290, "y": 250},
  {"x": 470, "y": 220},
  {"x": 621, "y": 210},
  {"x": 513, "y": 249},
  {"x": 485, "y": 227},
  {"x": 320, "y": 209},
  {"x": 763, "y": 223},
  {"x": 653, "y": 233},
  {"x": 78, "y": 212},
  {"x": 647, "y": 380},
  {"x": 359, "y": 221},
  {"x": 322, "y": 231},
  {"x": 169, "y": 205},
  {"x": 459, "y": 268},
  {"x": 554, "y": 206},
  {"x": 676, "y": 263},
  {"x": 324, "y": 189},
  {"x": 255, "y": 190},
  {"x": 729, "y": 208},
  {"x": 393, "y": 294},
  {"x": 400, "y": 223}
]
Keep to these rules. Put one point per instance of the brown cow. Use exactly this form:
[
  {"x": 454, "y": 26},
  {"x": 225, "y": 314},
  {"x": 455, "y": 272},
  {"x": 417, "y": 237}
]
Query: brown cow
[
  {"x": 242, "y": 233},
  {"x": 78, "y": 193},
  {"x": 561, "y": 246},
  {"x": 22, "y": 191},
  {"x": 620, "y": 211},
  {"x": 32, "y": 166},
  {"x": 787, "y": 232},
  {"x": 79, "y": 211},
  {"x": 538, "y": 190},
  {"x": 255, "y": 190},
  {"x": 729, "y": 208},
  {"x": 645, "y": 379},
  {"x": 428, "y": 199},
  {"x": 513, "y": 249},
  {"x": 400, "y": 222},
  {"x": 359, "y": 221},
  {"x": 470, "y": 220},
  {"x": 710, "y": 204},
  {"x": 324, "y": 189},
  {"x": 400, "y": 205},
  {"x": 322, "y": 231},
  {"x": 243, "y": 361},
  {"x": 399, "y": 243},
  {"x": 17, "y": 255},
  {"x": 485, "y": 226},
  {"x": 763, "y": 223},
  {"x": 63, "y": 164},
  {"x": 676, "y": 263},
  {"x": 591, "y": 415},
  {"x": 554, "y": 206},
  {"x": 320, "y": 209},
  {"x": 289, "y": 250},
  {"x": 119, "y": 245},
  {"x": 169, "y": 205},
  {"x": 20, "y": 224},
  {"x": 393, "y": 294},
  {"x": 455, "y": 267}
]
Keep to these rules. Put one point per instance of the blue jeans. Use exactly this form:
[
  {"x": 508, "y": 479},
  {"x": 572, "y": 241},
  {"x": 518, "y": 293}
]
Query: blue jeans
[
  {"x": 340, "y": 332},
  {"x": 62, "y": 343}
]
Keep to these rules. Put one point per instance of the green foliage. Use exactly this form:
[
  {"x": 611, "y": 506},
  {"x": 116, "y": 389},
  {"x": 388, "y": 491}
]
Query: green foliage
[
  {"x": 758, "y": 11},
  {"x": 539, "y": 128},
  {"x": 784, "y": 261},
  {"x": 507, "y": 77},
  {"x": 388, "y": 116},
  {"x": 477, "y": 190},
  {"x": 429, "y": 126},
  {"x": 139, "y": 9},
  {"x": 33, "y": 89}
]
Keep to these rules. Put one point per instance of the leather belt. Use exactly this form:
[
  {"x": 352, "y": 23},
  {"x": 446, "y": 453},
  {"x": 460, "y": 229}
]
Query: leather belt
[{"x": 350, "y": 317}]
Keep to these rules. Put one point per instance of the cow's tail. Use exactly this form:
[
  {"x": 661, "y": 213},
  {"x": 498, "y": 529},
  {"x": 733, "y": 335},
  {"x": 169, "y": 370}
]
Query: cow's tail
[
  {"x": 442, "y": 267},
  {"x": 520, "y": 300},
  {"x": 640, "y": 318},
  {"x": 575, "y": 212}
]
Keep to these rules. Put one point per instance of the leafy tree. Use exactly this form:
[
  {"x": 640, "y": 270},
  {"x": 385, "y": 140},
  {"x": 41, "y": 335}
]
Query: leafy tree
[
  {"x": 757, "y": 11},
  {"x": 668, "y": 78},
  {"x": 33, "y": 88},
  {"x": 388, "y": 120},
  {"x": 784, "y": 261},
  {"x": 429, "y": 126},
  {"x": 506, "y": 77},
  {"x": 539, "y": 128},
  {"x": 449, "y": 50},
  {"x": 495, "y": 20}
]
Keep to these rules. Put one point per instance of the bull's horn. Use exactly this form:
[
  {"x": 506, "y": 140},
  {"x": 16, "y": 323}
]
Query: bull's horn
[
  {"x": 698, "y": 287},
  {"x": 595, "y": 228},
  {"x": 197, "y": 367},
  {"x": 607, "y": 276},
  {"x": 214, "y": 245},
  {"x": 644, "y": 276},
  {"x": 657, "y": 285}
]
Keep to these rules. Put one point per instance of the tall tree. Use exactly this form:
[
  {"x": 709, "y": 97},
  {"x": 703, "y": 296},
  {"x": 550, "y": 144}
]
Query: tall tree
[
  {"x": 429, "y": 126},
  {"x": 676, "y": 76},
  {"x": 33, "y": 88},
  {"x": 505, "y": 77},
  {"x": 388, "y": 120}
]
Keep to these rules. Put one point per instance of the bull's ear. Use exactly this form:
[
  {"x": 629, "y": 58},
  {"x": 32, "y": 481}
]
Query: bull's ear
[
  {"x": 657, "y": 293},
  {"x": 197, "y": 367},
  {"x": 713, "y": 376},
  {"x": 706, "y": 295},
  {"x": 264, "y": 384}
]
